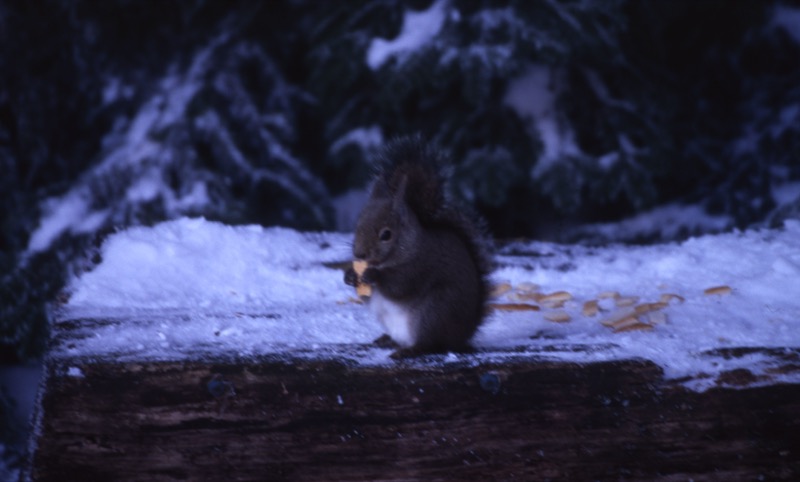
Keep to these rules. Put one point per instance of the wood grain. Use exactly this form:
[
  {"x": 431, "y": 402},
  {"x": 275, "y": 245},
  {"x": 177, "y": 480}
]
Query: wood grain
[{"x": 299, "y": 419}]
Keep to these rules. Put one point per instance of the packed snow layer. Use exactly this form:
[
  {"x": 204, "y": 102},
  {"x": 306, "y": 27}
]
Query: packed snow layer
[{"x": 193, "y": 288}]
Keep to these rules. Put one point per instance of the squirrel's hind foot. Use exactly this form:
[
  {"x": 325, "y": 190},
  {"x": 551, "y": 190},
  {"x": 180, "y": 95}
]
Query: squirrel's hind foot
[
  {"x": 385, "y": 341},
  {"x": 409, "y": 352}
]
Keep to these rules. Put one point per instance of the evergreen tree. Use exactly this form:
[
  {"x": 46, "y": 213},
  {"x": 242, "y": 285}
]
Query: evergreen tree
[{"x": 555, "y": 113}]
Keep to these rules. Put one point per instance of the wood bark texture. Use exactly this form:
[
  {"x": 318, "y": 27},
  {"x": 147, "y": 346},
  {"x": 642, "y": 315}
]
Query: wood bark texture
[{"x": 300, "y": 419}]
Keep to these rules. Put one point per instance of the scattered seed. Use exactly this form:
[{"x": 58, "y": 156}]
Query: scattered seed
[
  {"x": 590, "y": 308},
  {"x": 718, "y": 290},
  {"x": 513, "y": 307},
  {"x": 648, "y": 307},
  {"x": 526, "y": 296},
  {"x": 634, "y": 327},
  {"x": 557, "y": 316},
  {"x": 557, "y": 296},
  {"x": 500, "y": 290},
  {"x": 619, "y": 315},
  {"x": 624, "y": 322}
]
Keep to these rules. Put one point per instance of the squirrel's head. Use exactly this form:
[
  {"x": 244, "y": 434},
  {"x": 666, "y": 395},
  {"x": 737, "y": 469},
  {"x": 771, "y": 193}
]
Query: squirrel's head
[{"x": 387, "y": 228}]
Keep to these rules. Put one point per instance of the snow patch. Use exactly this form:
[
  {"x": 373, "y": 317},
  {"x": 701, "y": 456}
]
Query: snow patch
[
  {"x": 366, "y": 138},
  {"x": 194, "y": 263},
  {"x": 116, "y": 90},
  {"x": 419, "y": 28},
  {"x": 533, "y": 96},
  {"x": 190, "y": 288},
  {"x": 70, "y": 213},
  {"x": 128, "y": 147}
]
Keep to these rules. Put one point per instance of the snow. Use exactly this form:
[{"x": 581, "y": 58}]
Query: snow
[
  {"x": 419, "y": 27},
  {"x": 533, "y": 96},
  {"x": 368, "y": 139},
  {"x": 71, "y": 213},
  {"x": 193, "y": 288},
  {"x": 129, "y": 145}
]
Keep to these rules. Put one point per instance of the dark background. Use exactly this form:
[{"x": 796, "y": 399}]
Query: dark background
[{"x": 267, "y": 112}]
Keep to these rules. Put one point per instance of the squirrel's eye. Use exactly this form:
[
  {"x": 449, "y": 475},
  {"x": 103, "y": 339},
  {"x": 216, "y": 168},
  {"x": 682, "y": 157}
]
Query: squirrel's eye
[{"x": 385, "y": 234}]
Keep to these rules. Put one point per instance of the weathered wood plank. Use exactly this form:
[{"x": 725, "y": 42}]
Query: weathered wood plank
[{"x": 293, "y": 419}]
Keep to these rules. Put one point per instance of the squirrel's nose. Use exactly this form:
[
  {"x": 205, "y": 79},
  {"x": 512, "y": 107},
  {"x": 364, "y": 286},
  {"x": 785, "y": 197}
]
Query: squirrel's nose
[
  {"x": 359, "y": 250},
  {"x": 359, "y": 253}
]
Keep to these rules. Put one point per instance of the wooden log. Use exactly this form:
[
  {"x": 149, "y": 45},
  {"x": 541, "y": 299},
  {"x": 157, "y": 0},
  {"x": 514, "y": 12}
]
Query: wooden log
[{"x": 293, "y": 418}]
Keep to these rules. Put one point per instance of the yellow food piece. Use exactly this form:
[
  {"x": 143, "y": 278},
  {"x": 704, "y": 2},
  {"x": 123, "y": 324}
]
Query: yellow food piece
[
  {"x": 359, "y": 266},
  {"x": 633, "y": 327},
  {"x": 624, "y": 322},
  {"x": 526, "y": 296},
  {"x": 648, "y": 307},
  {"x": 590, "y": 308},
  {"x": 718, "y": 290},
  {"x": 608, "y": 294},
  {"x": 558, "y": 296},
  {"x": 557, "y": 316},
  {"x": 500, "y": 290},
  {"x": 555, "y": 300},
  {"x": 618, "y": 316},
  {"x": 362, "y": 289},
  {"x": 513, "y": 307}
]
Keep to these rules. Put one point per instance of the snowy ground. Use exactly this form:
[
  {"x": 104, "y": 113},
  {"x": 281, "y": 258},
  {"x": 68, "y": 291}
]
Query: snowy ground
[{"x": 193, "y": 288}]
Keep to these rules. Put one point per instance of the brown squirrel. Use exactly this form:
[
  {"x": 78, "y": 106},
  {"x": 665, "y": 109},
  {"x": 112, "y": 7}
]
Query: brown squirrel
[{"x": 427, "y": 261}]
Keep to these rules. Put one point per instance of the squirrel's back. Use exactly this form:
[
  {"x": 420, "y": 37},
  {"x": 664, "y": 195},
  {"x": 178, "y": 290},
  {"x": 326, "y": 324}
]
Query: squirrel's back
[
  {"x": 439, "y": 276},
  {"x": 426, "y": 169}
]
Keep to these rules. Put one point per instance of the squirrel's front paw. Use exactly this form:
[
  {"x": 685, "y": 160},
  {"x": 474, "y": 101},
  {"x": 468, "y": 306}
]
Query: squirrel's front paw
[
  {"x": 405, "y": 353},
  {"x": 351, "y": 277},
  {"x": 370, "y": 276}
]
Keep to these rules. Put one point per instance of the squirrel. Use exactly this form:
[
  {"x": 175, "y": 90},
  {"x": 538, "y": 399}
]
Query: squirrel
[{"x": 427, "y": 261}]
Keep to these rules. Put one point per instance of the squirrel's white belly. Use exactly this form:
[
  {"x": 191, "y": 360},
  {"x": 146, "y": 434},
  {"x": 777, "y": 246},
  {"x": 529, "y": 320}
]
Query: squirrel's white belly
[{"x": 395, "y": 319}]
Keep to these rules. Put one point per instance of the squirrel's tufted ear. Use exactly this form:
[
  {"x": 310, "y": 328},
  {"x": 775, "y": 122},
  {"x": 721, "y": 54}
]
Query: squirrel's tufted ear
[
  {"x": 380, "y": 190},
  {"x": 399, "y": 196}
]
